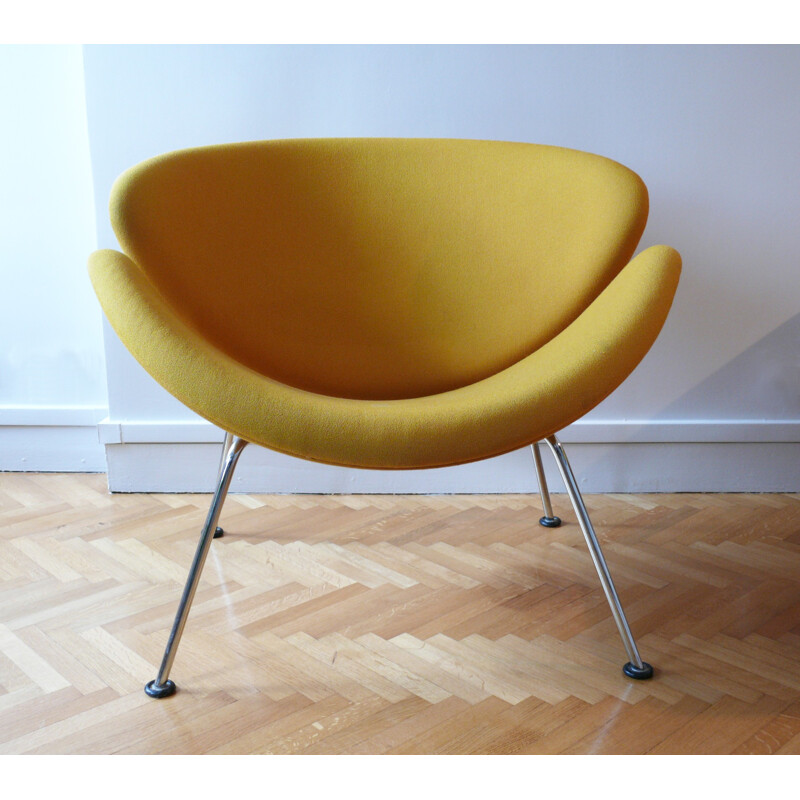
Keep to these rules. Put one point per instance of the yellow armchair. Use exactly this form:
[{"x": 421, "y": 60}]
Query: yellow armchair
[{"x": 385, "y": 303}]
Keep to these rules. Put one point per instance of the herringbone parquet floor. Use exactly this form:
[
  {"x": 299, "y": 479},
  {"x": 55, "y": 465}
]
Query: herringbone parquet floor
[{"x": 382, "y": 624}]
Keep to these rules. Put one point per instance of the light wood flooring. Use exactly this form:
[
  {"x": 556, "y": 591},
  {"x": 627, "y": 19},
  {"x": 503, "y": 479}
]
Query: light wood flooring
[{"x": 393, "y": 624}]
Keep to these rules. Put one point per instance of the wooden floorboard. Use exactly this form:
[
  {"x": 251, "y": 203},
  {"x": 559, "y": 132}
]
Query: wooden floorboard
[{"x": 396, "y": 624}]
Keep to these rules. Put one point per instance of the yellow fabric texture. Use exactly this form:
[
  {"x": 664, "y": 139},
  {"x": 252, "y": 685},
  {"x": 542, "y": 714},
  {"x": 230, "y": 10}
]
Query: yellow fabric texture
[{"x": 388, "y": 304}]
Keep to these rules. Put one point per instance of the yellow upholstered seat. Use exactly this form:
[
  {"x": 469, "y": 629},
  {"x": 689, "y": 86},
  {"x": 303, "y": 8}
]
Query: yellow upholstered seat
[{"x": 385, "y": 303}]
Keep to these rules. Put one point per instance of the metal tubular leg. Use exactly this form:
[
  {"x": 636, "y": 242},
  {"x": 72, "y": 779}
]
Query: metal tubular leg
[
  {"x": 226, "y": 445},
  {"x": 635, "y": 668},
  {"x": 549, "y": 520},
  {"x": 161, "y": 686}
]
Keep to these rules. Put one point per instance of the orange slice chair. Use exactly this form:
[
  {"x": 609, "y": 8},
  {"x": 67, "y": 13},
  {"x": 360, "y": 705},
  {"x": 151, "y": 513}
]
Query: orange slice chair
[{"x": 385, "y": 303}]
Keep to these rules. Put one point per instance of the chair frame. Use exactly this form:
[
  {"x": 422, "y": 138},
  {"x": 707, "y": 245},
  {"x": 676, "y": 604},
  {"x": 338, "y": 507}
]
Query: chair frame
[{"x": 232, "y": 448}]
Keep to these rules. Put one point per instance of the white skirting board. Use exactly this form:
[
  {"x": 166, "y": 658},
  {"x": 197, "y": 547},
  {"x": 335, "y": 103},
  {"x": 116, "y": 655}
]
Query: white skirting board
[
  {"x": 51, "y": 439},
  {"x": 640, "y": 456},
  {"x": 607, "y": 456}
]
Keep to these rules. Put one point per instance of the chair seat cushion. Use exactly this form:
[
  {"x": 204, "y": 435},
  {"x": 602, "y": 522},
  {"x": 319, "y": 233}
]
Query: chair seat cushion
[{"x": 533, "y": 398}]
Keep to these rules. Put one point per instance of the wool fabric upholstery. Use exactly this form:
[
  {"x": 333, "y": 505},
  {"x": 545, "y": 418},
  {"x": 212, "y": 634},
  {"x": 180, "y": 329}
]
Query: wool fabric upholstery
[{"x": 385, "y": 303}]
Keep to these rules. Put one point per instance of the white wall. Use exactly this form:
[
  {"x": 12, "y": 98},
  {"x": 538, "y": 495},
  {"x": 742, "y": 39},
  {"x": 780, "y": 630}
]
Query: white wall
[
  {"x": 712, "y": 130},
  {"x": 52, "y": 377}
]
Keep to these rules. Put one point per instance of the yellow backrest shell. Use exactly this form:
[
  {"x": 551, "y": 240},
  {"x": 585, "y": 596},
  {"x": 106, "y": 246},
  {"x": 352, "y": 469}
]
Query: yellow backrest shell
[{"x": 379, "y": 268}]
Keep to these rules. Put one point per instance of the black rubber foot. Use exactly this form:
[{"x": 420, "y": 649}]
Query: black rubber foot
[
  {"x": 550, "y": 522},
  {"x": 169, "y": 688},
  {"x": 218, "y": 532},
  {"x": 638, "y": 674}
]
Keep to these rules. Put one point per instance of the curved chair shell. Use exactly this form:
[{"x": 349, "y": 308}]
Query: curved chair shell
[{"x": 385, "y": 303}]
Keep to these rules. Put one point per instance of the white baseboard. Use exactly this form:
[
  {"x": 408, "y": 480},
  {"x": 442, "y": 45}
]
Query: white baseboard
[
  {"x": 608, "y": 456},
  {"x": 628, "y": 456},
  {"x": 583, "y": 431},
  {"x": 51, "y": 439}
]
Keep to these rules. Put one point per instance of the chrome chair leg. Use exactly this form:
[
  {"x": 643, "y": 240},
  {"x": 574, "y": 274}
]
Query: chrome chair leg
[
  {"x": 549, "y": 520},
  {"x": 225, "y": 447},
  {"x": 162, "y": 686},
  {"x": 635, "y": 668}
]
